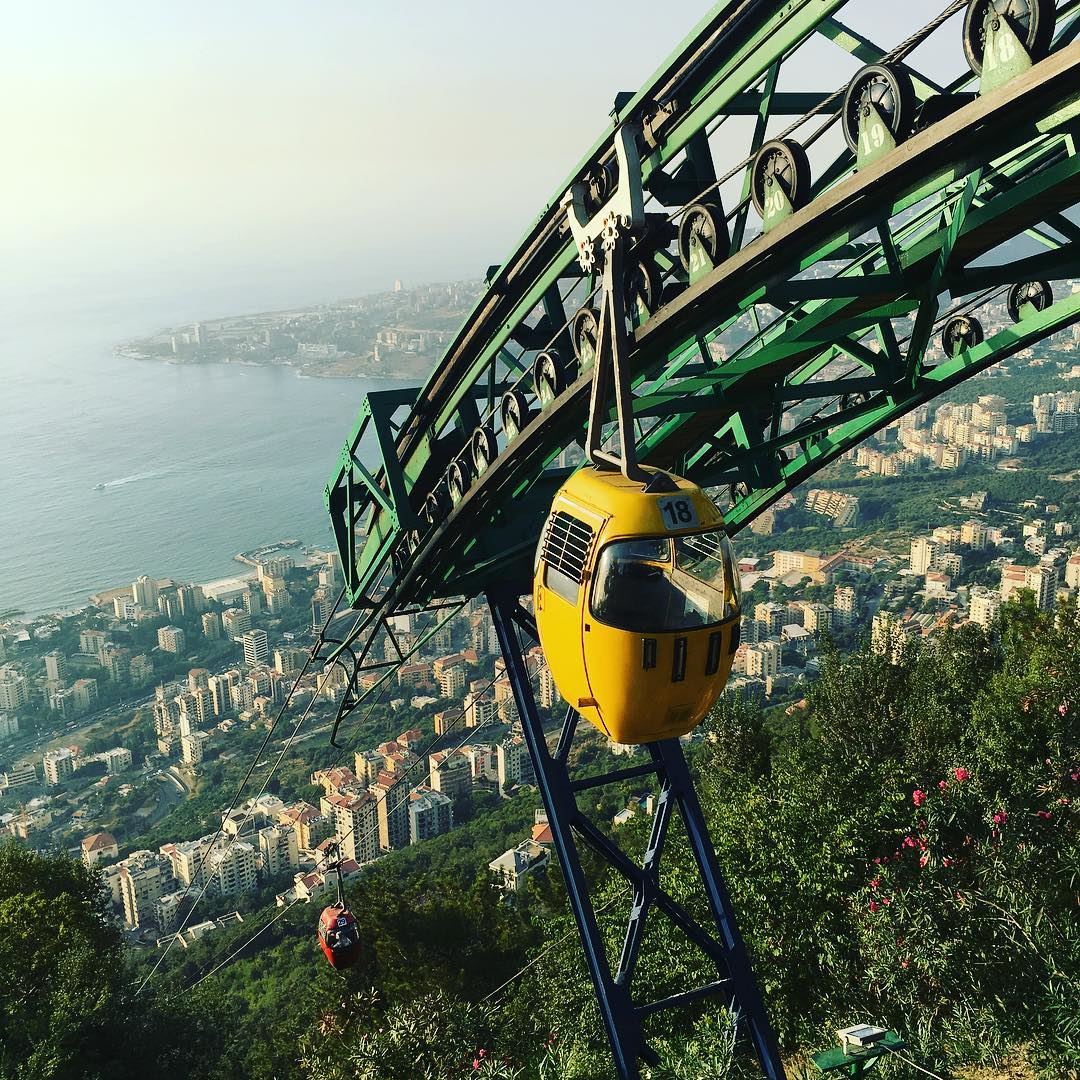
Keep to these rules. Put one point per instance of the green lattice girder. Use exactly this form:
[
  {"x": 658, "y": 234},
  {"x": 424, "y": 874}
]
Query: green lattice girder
[{"x": 724, "y": 421}]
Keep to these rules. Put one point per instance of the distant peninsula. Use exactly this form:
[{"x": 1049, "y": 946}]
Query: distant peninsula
[{"x": 398, "y": 334}]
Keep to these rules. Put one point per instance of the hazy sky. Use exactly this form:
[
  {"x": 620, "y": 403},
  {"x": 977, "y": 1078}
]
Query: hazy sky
[{"x": 325, "y": 148}]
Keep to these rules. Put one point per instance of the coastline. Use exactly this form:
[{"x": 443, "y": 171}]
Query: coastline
[{"x": 303, "y": 371}]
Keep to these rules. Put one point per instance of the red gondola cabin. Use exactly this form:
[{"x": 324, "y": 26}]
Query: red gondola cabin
[{"x": 339, "y": 936}]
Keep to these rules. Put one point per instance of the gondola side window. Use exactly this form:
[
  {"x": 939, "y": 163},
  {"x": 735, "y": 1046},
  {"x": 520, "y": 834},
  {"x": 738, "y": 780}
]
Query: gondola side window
[{"x": 656, "y": 586}]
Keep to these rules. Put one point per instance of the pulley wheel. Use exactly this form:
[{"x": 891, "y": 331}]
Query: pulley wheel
[
  {"x": 437, "y": 505},
  {"x": 599, "y": 184},
  {"x": 485, "y": 448},
  {"x": 515, "y": 413},
  {"x": 704, "y": 221},
  {"x": 458, "y": 480},
  {"x": 643, "y": 286},
  {"x": 780, "y": 165},
  {"x": 1036, "y": 293},
  {"x": 890, "y": 91},
  {"x": 1032, "y": 21},
  {"x": 550, "y": 377},
  {"x": 961, "y": 332},
  {"x": 584, "y": 333}
]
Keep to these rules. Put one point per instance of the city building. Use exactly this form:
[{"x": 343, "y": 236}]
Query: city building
[
  {"x": 984, "y": 606},
  {"x": 451, "y": 679},
  {"x": 549, "y": 692},
  {"x": 117, "y": 760},
  {"x": 277, "y": 594},
  {"x": 256, "y": 649},
  {"x": 171, "y": 639},
  {"x": 9, "y": 725},
  {"x": 56, "y": 668},
  {"x": 187, "y": 859},
  {"x": 514, "y": 763},
  {"x": 144, "y": 878},
  {"x": 144, "y": 592},
  {"x": 479, "y": 710},
  {"x": 211, "y": 625},
  {"x": 167, "y": 910},
  {"x": 923, "y": 552},
  {"x": 85, "y": 694},
  {"x": 235, "y": 621},
  {"x": 391, "y": 794},
  {"x": 817, "y": 618},
  {"x": 450, "y": 773},
  {"x": 59, "y": 765},
  {"x": 278, "y": 849},
  {"x": 99, "y": 847},
  {"x": 512, "y": 867},
  {"x": 431, "y": 813},
  {"x": 763, "y": 659},
  {"x": 93, "y": 642},
  {"x": 193, "y": 747},
  {"x": 356, "y": 824},
  {"x": 1041, "y": 580},
  {"x": 448, "y": 720},
  {"x": 19, "y": 775},
  {"x": 309, "y": 824},
  {"x": 14, "y": 689},
  {"x": 888, "y": 635},
  {"x": 231, "y": 867},
  {"x": 1072, "y": 571},
  {"x": 845, "y": 609}
]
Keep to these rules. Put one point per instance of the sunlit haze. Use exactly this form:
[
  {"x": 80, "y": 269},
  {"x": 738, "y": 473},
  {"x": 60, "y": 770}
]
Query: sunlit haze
[{"x": 304, "y": 151}]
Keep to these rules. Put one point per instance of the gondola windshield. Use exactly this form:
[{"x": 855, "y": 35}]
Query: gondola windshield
[{"x": 665, "y": 585}]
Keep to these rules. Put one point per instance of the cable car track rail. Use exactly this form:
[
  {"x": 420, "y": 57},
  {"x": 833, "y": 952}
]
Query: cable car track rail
[{"x": 765, "y": 270}]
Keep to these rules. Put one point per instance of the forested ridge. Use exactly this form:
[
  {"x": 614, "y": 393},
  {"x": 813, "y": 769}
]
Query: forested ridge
[{"x": 902, "y": 850}]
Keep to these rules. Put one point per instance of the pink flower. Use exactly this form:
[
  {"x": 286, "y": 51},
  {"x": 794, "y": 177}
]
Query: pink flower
[
  {"x": 961, "y": 774},
  {"x": 918, "y": 797},
  {"x": 1063, "y": 708},
  {"x": 946, "y": 862},
  {"x": 909, "y": 841},
  {"x": 877, "y": 861},
  {"x": 942, "y": 785},
  {"x": 903, "y": 963},
  {"x": 1063, "y": 801},
  {"x": 886, "y": 901},
  {"x": 875, "y": 906},
  {"x": 876, "y": 883},
  {"x": 1044, "y": 814},
  {"x": 1000, "y": 817},
  {"x": 924, "y": 860}
]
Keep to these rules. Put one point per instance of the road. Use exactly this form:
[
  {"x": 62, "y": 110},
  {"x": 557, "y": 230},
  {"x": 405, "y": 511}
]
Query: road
[{"x": 171, "y": 791}]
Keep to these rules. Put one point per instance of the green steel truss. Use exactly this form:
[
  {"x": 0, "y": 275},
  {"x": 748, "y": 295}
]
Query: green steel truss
[{"x": 792, "y": 349}]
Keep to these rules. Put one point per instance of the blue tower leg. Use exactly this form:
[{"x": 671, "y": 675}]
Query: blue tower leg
[{"x": 720, "y": 942}]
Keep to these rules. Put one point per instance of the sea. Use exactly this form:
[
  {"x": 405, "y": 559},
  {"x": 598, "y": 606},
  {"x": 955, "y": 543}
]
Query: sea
[{"x": 111, "y": 467}]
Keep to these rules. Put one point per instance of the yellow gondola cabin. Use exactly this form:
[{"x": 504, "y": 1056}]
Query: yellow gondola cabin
[{"x": 636, "y": 594}]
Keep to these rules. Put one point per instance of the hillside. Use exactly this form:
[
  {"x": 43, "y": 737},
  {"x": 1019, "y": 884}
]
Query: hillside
[{"x": 908, "y": 857}]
